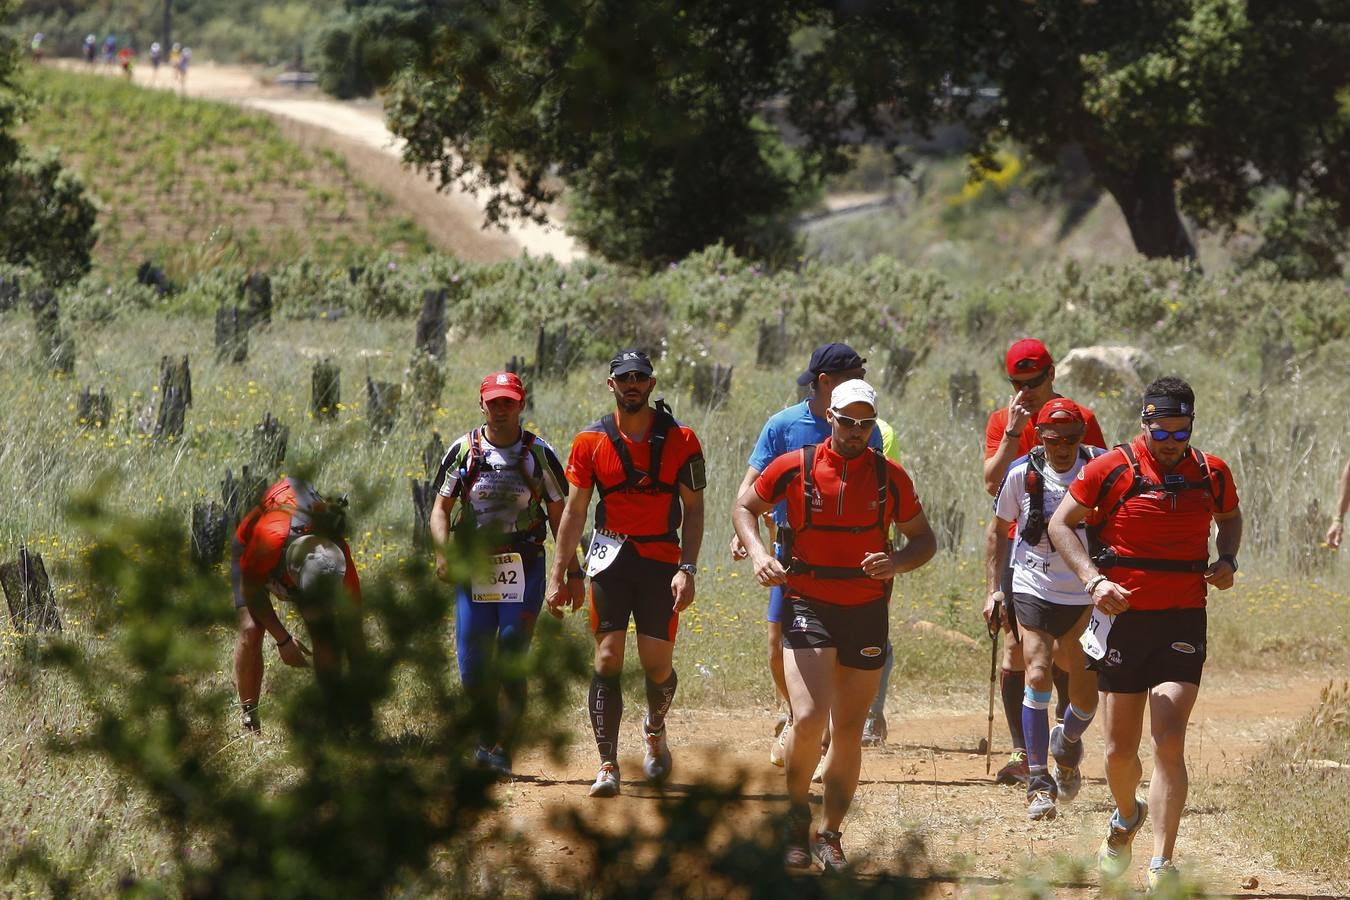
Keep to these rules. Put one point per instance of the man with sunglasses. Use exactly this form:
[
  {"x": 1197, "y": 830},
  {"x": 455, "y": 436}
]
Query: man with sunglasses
[
  {"x": 842, "y": 497},
  {"x": 1009, "y": 436},
  {"x": 786, "y": 431},
  {"x": 1150, "y": 504},
  {"x": 648, "y": 470},
  {"x": 1050, "y": 604}
]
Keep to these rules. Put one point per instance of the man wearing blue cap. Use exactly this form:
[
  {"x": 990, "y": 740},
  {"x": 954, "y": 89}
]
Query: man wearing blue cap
[{"x": 785, "y": 431}]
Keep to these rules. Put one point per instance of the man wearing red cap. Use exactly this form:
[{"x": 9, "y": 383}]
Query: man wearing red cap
[
  {"x": 1007, "y": 437},
  {"x": 1051, "y": 607},
  {"x": 508, "y": 482},
  {"x": 1151, "y": 504}
]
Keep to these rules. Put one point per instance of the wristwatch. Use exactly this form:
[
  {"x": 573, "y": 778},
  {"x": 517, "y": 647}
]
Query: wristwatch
[
  {"x": 689, "y": 568},
  {"x": 1230, "y": 559}
]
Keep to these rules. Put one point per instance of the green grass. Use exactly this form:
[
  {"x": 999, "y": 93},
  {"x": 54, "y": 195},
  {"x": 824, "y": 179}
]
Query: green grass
[{"x": 194, "y": 185}]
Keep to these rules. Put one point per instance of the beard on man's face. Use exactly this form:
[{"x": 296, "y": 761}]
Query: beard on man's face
[{"x": 631, "y": 398}]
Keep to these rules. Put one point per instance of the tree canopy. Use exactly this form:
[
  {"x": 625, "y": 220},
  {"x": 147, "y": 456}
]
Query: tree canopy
[{"x": 650, "y": 110}]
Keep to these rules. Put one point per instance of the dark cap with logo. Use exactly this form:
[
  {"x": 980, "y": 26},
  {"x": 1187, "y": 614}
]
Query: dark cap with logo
[
  {"x": 831, "y": 358},
  {"x": 630, "y": 360}
]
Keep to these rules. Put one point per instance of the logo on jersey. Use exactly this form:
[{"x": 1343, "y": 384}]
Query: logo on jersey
[
  {"x": 1113, "y": 657},
  {"x": 817, "y": 498},
  {"x": 799, "y": 623},
  {"x": 870, "y": 652},
  {"x": 1183, "y": 647}
]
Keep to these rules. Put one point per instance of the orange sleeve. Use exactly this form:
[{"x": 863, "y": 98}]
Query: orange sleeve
[
  {"x": 772, "y": 483},
  {"x": 581, "y": 460},
  {"x": 993, "y": 431},
  {"x": 351, "y": 581},
  {"x": 266, "y": 542}
]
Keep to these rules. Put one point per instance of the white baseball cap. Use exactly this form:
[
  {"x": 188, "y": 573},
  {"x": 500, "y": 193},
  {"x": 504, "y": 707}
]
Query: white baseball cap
[
  {"x": 853, "y": 391},
  {"x": 310, "y": 559}
]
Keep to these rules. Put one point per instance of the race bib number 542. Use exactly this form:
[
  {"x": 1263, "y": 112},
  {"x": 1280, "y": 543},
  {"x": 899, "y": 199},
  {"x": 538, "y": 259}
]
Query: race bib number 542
[{"x": 504, "y": 581}]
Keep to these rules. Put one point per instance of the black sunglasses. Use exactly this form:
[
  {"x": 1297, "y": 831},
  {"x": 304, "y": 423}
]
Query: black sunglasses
[
  {"x": 1030, "y": 382},
  {"x": 850, "y": 422},
  {"x": 631, "y": 378},
  {"x": 1181, "y": 435}
]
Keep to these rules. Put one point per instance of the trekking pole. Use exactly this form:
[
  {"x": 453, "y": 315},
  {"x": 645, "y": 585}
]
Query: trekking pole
[{"x": 994, "y": 626}]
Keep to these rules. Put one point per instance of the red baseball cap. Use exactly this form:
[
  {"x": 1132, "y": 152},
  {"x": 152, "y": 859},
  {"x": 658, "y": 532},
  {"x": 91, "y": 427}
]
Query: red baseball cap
[
  {"x": 1060, "y": 411},
  {"x": 1026, "y": 356},
  {"x": 502, "y": 384}
]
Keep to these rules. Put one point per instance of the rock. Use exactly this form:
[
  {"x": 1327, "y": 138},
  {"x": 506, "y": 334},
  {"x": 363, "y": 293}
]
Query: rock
[
  {"x": 1105, "y": 369},
  {"x": 1250, "y": 883}
]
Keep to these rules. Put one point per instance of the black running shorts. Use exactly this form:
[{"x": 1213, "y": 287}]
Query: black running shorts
[
  {"x": 858, "y": 633},
  {"x": 1055, "y": 619},
  {"x": 639, "y": 587},
  {"x": 1146, "y": 648}
]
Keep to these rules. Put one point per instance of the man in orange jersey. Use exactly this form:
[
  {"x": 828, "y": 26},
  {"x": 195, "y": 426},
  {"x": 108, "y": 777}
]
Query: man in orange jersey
[
  {"x": 1009, "y": 436},
  {"x": 648, "y": 470}
]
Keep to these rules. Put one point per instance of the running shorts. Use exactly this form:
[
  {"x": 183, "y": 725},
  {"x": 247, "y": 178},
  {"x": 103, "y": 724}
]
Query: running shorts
[
  {"x": 858, "y": 633},
  {"x": 1146, "y": 648},
  {"x": 1055, "y": 619},
  {"x": 639, "y": 587}
]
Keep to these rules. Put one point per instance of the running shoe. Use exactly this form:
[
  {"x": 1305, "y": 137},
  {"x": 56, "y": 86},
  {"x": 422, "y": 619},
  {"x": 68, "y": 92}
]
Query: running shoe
[
  {"x": 606, "y": 780},
  {"x": 1067, "y": 755},
  {"x": 826, "y": 849},
  {"x": 797, "y": 838},
  {"x": 482, "y": 757},
  {"x": 656, "y": 766},
  {"x": 1113, "y": 856},
  {"x": 249, "y": 718},
  {"x": 500, "y": 762},
  {"x": 1015, "y": 770},
  {"x": 778, "y": 749},
  {"x": 874, "y": 730},
  {"x": 1164, "y": 881}
]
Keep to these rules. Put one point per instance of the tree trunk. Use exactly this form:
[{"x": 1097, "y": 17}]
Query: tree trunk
[{"x": 1147, "y": 197}]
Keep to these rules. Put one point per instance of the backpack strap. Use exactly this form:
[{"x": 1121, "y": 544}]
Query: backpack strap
[
  {"x": 661, "y": 425},
  {"x": 1106, "y": 557},
  {"x": 797, "y": 566}
]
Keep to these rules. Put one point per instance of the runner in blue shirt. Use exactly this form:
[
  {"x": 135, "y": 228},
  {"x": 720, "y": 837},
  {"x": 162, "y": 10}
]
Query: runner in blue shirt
[{"x": 792, "y": 429}]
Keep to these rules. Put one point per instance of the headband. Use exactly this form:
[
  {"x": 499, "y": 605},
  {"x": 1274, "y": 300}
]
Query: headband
[{"x": 1162, "y": 406}]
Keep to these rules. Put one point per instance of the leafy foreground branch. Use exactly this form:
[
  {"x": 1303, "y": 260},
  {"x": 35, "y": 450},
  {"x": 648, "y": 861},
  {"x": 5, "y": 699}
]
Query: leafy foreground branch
[{"x": 350, "y": 807}]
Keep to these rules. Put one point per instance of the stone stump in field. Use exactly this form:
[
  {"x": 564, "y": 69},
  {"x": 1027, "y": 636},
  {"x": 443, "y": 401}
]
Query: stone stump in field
[
  {"x": 900, "y": 364},
  {"x": 949, "y": 522},
  {"x": 711, "y": 384},
  {"x": 382, "y": 400},
  {"x": 424, "y": 498},
  {"x": 325, "y": 392},
  {"x": 175, "y": 396},
  {"x": 10, "y": 293},
  {"x": 238, "y": 496},
  {"x": 516, "y": 365},
  {"x": 432, "y": 454},
  {"x": 210, "y": 532},
  {"x": 428, "y": 385},
  {"x": 257, "y": 291},
  {"x": 28, "y": 591},
  {"x": 270, "y": 438},
  {"x": 964, "y": 390},
  {"x": 772, "y": 347},
  {"x": 93, "y": 411},
  {"x": 231, "y": 334},
  {"x": 430, "y": 333},
  {"x": 152, "y": 276},
  {"x": 56, "y": 348}
]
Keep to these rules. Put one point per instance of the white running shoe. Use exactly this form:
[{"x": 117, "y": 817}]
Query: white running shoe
[{"x": 606, "y": 780}]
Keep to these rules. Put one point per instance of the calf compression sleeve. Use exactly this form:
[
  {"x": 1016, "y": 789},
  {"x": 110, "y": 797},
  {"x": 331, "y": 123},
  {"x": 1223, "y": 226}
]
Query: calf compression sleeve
[
  {"x": 659, "y": 697},
  {"x": 1036, "y": 727},
  {"x": 1076, "y": 722},
  {"x": 606, "y": 709},
  {"x": 1011, "y": 686}
]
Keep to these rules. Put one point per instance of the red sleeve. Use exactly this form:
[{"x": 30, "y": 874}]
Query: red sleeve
[
  {"x": 1088, "y": 485},
  {"x": 771, "y": 485},
  {"x": 262, "y": 554},
  {"x": 993, "y": 431},
  {"x": 1092, "y": 434},
  {"x": 909, "y": 505},
  {"x": 351, "y": 580},
  {"x": 581, "y": 460},
  {"x": 1225, "y": 497}
]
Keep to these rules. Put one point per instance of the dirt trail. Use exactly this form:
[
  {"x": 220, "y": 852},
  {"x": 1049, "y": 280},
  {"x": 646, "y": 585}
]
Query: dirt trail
[
  {"x": 356, "y": 129},
  {"x": 929, "y": 782}
]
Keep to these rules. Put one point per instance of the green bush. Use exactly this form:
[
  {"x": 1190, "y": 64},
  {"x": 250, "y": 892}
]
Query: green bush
[{"x": 46, "y": 219}]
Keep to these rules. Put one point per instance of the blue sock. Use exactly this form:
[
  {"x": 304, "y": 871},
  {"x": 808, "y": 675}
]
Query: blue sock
[
  {"x": 1076, "y": 722},
  {"x": 1158, "y": 862},
  {"x": 1120, "y": 822},
  {"x": 1036, "y": 727}
]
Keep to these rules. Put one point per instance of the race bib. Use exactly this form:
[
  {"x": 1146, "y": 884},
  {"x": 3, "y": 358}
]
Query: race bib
[
  {"x": 504, "y": 581},
  {"x": 604, "y": 550},
  {"x": 1093, "y": 637}
]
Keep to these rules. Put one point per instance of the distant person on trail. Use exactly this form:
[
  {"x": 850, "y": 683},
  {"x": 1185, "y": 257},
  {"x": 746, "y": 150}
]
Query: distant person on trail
[
  {"x": 156, "y": 57},
  {"x": 1149, "y": 505},
  {"x": 502, "y": 479},
  {"x": 649, "y": 472},
  {"x": 176, "y": 62},
  {"x": 1051, "y": 607},
  {"x": 125, "y": 57},
  {"x": 789, "y": 430},
  {"x": 35, "y": 48},
  {"x": 109, "y": 50},
  {"x": 184, "y": 60},
  {"x": 1336, "y": 531},
  {"x": 1009, "y": 436},
  {"x": 843, "y": 497},
  {"x": 90, "y": 48},
  {"x": 291, "y": 546}
]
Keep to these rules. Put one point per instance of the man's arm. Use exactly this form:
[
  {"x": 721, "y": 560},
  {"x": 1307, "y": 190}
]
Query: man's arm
[
  {"x": 566, "y": 539},
  {"x": 691, "y": 541},
  {"x": 1109, "y": 597},
  {"x": 738, "y": 549},
  {"x": 996, "y": 549},
  {"x": 438, "y": 523},
  {"x": 1336, "y": 531},
  {"x": 1009, "y": 445},
  {"x": 745, "y": 517},
  {"x": 1228, "y": 541},
  {"x": 920, "y": 545}
]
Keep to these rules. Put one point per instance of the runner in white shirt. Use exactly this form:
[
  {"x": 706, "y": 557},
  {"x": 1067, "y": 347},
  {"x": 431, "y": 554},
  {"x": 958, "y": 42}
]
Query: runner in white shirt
[{"x": 1051, "y": 605}]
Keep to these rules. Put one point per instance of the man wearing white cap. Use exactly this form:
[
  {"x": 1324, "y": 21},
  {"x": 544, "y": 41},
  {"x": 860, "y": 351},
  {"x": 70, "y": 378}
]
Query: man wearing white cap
[
  {"x": 290, "y": 546},
  {"x": 842, "y": 498}
]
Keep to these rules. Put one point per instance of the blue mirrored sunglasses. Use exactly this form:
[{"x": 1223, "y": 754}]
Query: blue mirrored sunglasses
[{"x": 1159, "y": 434}]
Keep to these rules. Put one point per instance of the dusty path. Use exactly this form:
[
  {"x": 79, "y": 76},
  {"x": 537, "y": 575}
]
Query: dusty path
[
  {"x": 928, "y": 782},
  {"x": 356, "y": 130}
]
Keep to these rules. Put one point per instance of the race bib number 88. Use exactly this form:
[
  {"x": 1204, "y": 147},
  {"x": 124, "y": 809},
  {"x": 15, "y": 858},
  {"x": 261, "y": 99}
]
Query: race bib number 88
[
  {"x": 504, "y": 581},
  {"x": 605, "y": 546}
]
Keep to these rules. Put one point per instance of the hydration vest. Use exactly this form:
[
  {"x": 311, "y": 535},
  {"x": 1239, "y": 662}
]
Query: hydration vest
[
  {"x": 797, "y": 566},
  {"x": 471, "y": 463},
  {"x": 662, "y": 422},
  {"x": 1106, "y": 557},
  {"x": 1037, "y": 520}
]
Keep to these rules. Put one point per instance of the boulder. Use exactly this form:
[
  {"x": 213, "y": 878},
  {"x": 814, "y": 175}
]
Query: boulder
[{"x": 1105, "y": 369}]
